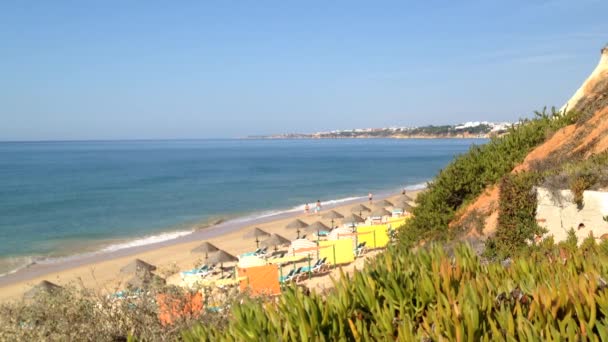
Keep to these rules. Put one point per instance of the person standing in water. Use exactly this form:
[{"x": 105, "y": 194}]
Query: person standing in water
[{"x": 318, "y": 208}]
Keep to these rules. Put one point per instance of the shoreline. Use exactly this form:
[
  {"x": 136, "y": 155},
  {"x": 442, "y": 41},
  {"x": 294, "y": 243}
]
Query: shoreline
[{"x": 76, "y": 267}]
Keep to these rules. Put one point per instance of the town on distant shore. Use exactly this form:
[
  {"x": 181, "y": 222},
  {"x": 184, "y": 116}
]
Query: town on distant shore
[{"x": 476, "y": 129}]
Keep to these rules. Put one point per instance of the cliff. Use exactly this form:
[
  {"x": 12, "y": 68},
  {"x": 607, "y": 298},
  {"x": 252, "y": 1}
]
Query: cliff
[{"x": 576, "y": 142}]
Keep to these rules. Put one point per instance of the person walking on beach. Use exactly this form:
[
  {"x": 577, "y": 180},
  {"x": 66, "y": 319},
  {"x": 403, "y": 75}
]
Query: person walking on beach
[
  {"x": 306, "y": 209},
  {"x": 318, "y": 208},
  {"x": 403, "y": 192},
  {"x": 371, "y": 197}
]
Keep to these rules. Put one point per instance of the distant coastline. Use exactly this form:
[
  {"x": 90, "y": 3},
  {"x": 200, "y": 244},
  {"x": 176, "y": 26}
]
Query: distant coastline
[{"x": 467, "y": 130}]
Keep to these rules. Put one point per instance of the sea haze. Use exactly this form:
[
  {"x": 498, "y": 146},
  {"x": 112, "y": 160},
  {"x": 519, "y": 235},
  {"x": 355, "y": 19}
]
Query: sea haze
[{"x": 64, "y": 198}]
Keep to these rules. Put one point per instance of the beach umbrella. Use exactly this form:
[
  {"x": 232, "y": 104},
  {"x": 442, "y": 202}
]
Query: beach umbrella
[
  {"x": 206, "y": 247},
  {"x": 144, "y": 279},
  {"x": 257, "y": 233},
  {"x": 44, "y": 286},
  {"x": 300, "y": 244},
  {"x": 333, "y": 215},
  {"x": 298, "y": 225},
  {"x": 406, "y": 198},
  {"x": 318, "y": 227},
  {"x": 353, "y": 220},
  {"x": 360, "y": 208},
  {"x": 275, "y": 240},
  {"x": 379, "y": 212},
  {"x": 138, "y": 266},
  {"x": 405, "y": 206},
  {"x": 220, "y": 257},
  {"x": 384, "y": 203}
]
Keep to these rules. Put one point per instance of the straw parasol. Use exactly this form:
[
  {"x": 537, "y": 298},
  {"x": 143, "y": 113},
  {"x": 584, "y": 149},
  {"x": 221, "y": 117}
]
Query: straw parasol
[
  {"x": 275, "y": 240},
  {"x": 359, "y": 208},
  {"x": 206, "y": 247},
  {"x": 143, "y": 280},
  {"x": 257, "y": 233},
  {"x": 384, "y": 203},
  {"x": 138, "y": 266},
  {"x": 333, "y": 215},
  {"x": 353, "y": 219},
  {"x": 298, "y": 225},
  {"x": 44, "y": 286},
  {"x": 407, "y": 198},
  {"x": 317, "y": 227},
  {"x": 220, "y": 257},
  {"x": 379, "y": 212}
]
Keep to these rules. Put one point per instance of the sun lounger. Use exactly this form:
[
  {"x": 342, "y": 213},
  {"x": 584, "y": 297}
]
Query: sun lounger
[
  {"x": 316, "y": 268},
  {"x": 291, "y": 275},
  {"x": 360, "y": 250},
  {"x": 201, "y": 271},
  {"x": 287, "y": 259}
]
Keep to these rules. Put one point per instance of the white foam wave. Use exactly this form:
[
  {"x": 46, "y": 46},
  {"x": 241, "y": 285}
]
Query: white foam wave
[
  {"x": 419, "y": 186},
  {"x": 146, "y": 241},
  {"x": 14, "y": 264}
]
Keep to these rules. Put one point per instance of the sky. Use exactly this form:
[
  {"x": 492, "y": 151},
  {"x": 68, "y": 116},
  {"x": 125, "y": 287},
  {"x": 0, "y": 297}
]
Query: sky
[{"x": 87, "y": 70}]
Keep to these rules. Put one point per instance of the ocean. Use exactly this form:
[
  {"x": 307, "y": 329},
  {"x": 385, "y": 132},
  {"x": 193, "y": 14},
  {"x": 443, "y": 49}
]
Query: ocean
[{"x": 66, "y": 198}]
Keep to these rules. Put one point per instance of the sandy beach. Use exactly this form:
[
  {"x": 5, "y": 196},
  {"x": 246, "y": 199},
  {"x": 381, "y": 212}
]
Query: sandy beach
[{"x": 102, "y": 272}]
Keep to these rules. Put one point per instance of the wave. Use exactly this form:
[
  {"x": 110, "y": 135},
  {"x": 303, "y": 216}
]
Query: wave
[
  {"x": 148, "y": 240},
  {"x": 297, "y": 208},
  {"x": 419, "y": 186},
  {"x": 15, "y": 264},
  {"x": 11, "y": 265}
]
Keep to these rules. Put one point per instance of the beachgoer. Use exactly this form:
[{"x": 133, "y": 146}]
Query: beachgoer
[
  {"x": 318, "y": 208},
  {"x": 403, "y": 192},
  {"x": 306, "y": 209},
  {"x": 370, "y": 196}
]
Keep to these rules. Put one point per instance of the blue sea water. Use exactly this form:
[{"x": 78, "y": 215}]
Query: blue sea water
[{"x": 60, "y": 198}]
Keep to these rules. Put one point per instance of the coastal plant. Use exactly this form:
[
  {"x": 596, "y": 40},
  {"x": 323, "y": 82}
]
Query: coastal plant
[
  {"x": 470, "y": 173},
  {"x": 517, "y": 226},
  {"x": 430, "y": 295}
]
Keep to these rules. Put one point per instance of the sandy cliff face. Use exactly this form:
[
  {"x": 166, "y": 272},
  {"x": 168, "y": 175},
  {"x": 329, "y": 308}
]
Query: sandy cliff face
[{"x": 583, "y": 139}]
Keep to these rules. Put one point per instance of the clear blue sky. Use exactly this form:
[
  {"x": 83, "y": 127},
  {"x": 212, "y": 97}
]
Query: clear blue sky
[{"x": 202, "y": 69}]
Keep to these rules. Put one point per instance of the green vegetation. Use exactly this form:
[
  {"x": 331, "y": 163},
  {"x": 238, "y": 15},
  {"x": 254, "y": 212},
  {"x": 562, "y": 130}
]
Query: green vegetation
[
  {"x": 517, "y": 225},
  {"x": 430, "y": 296},
  {"x": 469, "y": 174},
  {"x": 428, "y": 293}
]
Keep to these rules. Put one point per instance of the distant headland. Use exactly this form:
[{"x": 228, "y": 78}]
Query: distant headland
[{"x": 467, "y": 130}]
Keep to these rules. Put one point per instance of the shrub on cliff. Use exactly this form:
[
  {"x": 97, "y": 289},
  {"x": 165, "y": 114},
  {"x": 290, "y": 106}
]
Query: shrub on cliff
[{"x": 469, "y": 174}]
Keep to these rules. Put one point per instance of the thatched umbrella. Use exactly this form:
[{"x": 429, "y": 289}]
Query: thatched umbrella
[
  {"x": 275, "y": 240},
  {"x": 257, "y": 233},
  {"x": 138, "y": 266},
  {"x": 353, "y": 219},
  {"x": 384, "y": 203},
  {"x": 333, "y": 215},
  {"x": 359, "y": 208},
  {"x": 44, "y": 286},
  {"x": 206, "y": 247},
  {"x": 143, "y": 280},
  {"x": 298, "y": 225},
  {"x": 318, "y": 227},
  {"x": 406, "y": 198},
  {"x": 220, "y": 257},
  {"x": 379, "y": 212}
]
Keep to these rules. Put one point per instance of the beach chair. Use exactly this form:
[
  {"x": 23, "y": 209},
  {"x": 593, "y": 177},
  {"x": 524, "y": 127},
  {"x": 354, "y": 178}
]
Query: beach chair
[
  {"x": 291, "y": 275},
  {"x": 278, "y": 254},
  {"x": 202, "y": 271},
  {"x": 307, "y": 269},
  {"x": 360, "y": 250},
  {"x": 316, "y": 268}
]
